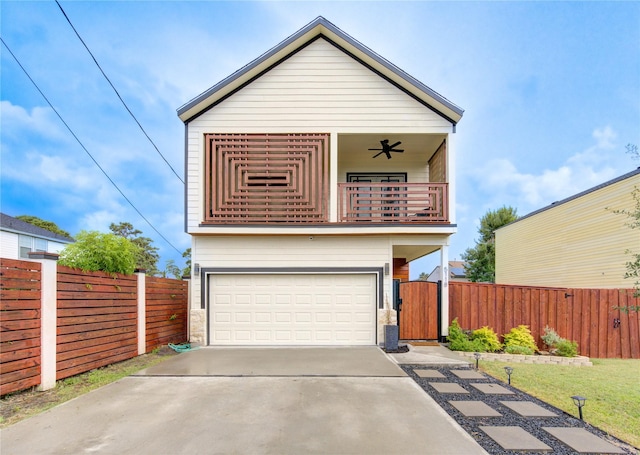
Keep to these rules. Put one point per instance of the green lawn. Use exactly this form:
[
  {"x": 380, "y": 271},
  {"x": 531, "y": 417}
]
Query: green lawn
[{"x": 611, "y": 386}]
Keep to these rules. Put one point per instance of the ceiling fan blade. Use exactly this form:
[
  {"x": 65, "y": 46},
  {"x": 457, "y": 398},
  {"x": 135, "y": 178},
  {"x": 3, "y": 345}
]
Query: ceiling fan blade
[
  {"x": 397, "y": 143},
  {"x": 377, "y": 154},
  {"x": 388, "y": 155},
  {"x": 397, "y": 150},
  {"x": 375, "y": 149}
]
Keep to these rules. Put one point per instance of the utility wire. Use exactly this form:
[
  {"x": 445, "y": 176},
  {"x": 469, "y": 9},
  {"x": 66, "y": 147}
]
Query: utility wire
[
  {"x": 85, "y": 149},
  {"x": 117, "y": 93}
]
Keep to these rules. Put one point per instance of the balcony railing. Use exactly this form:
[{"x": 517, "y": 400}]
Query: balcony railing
[{"x": 393, "y": 202}]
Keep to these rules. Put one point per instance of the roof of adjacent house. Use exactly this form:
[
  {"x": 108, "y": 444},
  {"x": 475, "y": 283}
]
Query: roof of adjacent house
[
  {"x": 576, "y": 196},
  {"x": 320, "y": 27},
  {"x": 11, "y": 224}
]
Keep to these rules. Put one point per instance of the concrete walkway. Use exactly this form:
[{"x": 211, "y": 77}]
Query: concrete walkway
[{"x": 248, "y": 400}]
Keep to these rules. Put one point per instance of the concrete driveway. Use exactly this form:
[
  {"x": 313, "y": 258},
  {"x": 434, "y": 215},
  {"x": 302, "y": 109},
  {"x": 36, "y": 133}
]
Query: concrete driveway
[{"x": 253, "y": 401}]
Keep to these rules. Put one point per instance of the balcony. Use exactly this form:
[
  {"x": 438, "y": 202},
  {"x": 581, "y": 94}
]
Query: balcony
[{"x": 424, "y": 203}]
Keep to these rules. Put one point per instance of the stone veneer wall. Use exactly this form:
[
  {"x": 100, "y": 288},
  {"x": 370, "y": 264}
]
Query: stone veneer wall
[{"x": 579, "y": 361}]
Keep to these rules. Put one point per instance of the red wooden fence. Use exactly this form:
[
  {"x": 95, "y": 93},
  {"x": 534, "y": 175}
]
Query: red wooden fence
[
  {"x": 166, "y": 316},
  {"x": 583, "y": 315},
  {"x": 19, "y": 325},
  {"x": 96, "y": 324},
  {"x": 97, "y": 320}
]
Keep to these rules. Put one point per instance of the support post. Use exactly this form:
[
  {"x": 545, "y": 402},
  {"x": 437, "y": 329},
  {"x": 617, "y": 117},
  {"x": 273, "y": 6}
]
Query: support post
[
  {"x": 444, "y": 310},
  {"x": 142, "y": 311},
  {"x": 48, "y": 317}
]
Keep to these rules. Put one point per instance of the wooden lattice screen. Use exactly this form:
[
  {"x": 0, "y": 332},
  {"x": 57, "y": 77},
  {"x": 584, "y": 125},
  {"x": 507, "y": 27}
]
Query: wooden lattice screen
[
  {"x": 438, "y": 164},
  {"x": 266, "y": 178}
]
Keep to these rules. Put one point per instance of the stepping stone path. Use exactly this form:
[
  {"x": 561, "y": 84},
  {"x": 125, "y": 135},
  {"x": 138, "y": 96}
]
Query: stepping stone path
[
  {"x": 515, "y": 438},
  {"x": 519, "y": 424},
  {"x": 429, "y": 374},
  {"x": 528, "y": 409},
  {"x": 475, "y": 409},
  {"x": 493, "y": 389}
]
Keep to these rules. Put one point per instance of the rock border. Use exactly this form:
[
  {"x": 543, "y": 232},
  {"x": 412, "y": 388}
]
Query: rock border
[{"x": 578, "y": 361}]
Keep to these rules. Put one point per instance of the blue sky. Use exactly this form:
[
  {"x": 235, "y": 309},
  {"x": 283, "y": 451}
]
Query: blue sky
[{"x": 551, "y": 92}]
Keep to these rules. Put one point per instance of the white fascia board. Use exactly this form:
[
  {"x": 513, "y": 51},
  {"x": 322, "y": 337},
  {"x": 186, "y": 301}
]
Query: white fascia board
[{"x": 309, "y": 231}]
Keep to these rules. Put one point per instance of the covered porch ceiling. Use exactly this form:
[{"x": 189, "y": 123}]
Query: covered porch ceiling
[
  {"x": 412, "y": 252},
  {"x": 355, "y": 147}
]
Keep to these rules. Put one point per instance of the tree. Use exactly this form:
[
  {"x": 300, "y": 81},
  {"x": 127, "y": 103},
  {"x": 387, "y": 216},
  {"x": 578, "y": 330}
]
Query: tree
[
  {"x": 147, "y": 256},
  {"x": 95, "y": 250},
  {"x": 423, "y": 276},
  {"x": 44, "y": 224},
  {"x": 480, "y": 261},
  {"x": 187, "y": 269},
  {"x": 171, "y": 269}
]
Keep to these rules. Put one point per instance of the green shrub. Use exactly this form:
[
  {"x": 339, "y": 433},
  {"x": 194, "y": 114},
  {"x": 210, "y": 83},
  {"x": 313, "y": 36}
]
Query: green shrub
[
  {"x": 550, "y": 337},
  {"x": 516, "y": 349},
  {"x": 459, "y": 339},
  {"x": 520, "y": 336},
  {"x": 566, "y": 348},
  {"x": 487, "y": 339},
  {"x": 97, "y": 251}
]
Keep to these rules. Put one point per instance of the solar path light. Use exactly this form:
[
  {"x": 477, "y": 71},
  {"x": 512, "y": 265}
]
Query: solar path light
[
  {"x": 508, "y": 370},
  {"x": 476, "y": 355},
  {"x": 579, "y": 402}
]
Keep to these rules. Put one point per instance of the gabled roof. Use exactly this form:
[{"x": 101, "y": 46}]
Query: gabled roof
[
  {"x": 11, "y": 224},
  {"x": 321, "y": 28},
  {"x": 576, "y": 196}
]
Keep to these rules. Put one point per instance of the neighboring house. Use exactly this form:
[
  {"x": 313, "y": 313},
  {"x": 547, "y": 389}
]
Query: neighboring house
[
  {"x": 18, "y": 238},
  {"x": 299, "y": 219},
  {"x": 577, "y": 242},
  {"x": 456, "y": 272}
]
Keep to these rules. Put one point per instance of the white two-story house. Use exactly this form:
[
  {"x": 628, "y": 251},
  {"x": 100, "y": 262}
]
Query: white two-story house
[{"x": 312, "y": 173}]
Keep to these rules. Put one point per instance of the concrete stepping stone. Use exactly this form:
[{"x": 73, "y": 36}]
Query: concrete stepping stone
[
  {"x": 429, "y": 373},
  {"x": 582, "y": 441},
  {"x": 528, "y": 409},
  {"x": 492, "y": 389},
  {"x": 475, "y": 409},
  {"x": 515, "y": 438},
  {"x": 447, "y": 387},
  {"x": 468, "y": 374}
]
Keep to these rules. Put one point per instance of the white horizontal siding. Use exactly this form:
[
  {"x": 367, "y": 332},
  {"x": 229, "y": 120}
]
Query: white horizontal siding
[
  {"x": 288, "y": 251},
  {"x": 9, "y": 245}
]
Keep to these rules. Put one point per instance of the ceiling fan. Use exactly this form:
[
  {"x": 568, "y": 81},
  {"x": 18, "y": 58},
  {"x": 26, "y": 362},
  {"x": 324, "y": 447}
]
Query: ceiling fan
[{"x": 387, "y": 149}]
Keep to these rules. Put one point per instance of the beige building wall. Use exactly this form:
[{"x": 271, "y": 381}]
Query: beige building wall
[{"x": 579, "y": 243}]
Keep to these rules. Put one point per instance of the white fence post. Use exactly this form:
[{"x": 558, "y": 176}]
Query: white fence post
[
  {"x": 48, "y": 317},
  {"x": 142, "y": 311}
]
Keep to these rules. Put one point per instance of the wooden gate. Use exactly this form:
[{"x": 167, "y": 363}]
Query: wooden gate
[{"x": 419, "y": 312}]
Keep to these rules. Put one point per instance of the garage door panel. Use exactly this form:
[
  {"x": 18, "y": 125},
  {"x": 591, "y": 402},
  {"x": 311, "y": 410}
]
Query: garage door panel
[{"x": 293, "y": 309}]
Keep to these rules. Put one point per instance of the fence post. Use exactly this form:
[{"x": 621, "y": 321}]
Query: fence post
[
  {"x": 142, "y": 311},
  {"x": 48, "y": 317}
]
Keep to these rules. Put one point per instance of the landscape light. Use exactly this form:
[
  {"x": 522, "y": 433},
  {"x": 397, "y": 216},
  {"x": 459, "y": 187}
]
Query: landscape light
[
  {"x": 477, "y": 357},
  {"x": 579, "y": 402},
  {"x": 509, "y": 370}
]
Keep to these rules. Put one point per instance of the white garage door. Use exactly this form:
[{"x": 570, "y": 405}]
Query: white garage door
[{"x": 292, "y": 309}]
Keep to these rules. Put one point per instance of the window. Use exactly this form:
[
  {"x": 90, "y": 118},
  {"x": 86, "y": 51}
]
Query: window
[{"x": 29, "y": 244}]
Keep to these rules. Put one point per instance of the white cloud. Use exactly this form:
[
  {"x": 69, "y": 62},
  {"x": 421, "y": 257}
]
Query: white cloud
[
  {"x": 502, "y": 180},
  {"x": 17, "y": 121}
]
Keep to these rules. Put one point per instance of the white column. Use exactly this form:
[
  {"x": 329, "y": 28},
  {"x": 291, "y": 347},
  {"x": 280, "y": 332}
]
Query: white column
[
  {"x": 142, "y": 313},
  {"x": 444, "y": 291},
  {"x": 333, "y": 178},
  {"x": 48, "y": 318}
]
